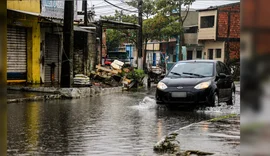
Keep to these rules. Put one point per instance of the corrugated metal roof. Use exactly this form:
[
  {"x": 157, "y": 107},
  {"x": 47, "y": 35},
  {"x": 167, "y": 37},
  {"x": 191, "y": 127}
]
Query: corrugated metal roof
[
  {"x": 25, "y": 12},
  {"x": 216, "y": 7}
]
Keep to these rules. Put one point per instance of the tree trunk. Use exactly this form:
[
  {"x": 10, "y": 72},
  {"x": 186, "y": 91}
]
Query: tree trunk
[
  {"x": 144, "y": 54},
  {"x": 180, "y": 55},
  {"x": 181, "y": 43}
]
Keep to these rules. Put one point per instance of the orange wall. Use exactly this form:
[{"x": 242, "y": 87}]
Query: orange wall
[{"x": 24, "y": 5}]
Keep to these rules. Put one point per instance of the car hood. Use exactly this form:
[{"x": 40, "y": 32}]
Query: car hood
[{"x": 176, "y": 82}]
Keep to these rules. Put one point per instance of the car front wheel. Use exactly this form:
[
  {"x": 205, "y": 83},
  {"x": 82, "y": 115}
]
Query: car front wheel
[{"x": 215, "y": 100}]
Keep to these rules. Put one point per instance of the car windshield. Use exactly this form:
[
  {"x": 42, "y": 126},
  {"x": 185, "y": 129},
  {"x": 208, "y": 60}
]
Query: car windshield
[{"x": 194, "y": 69}]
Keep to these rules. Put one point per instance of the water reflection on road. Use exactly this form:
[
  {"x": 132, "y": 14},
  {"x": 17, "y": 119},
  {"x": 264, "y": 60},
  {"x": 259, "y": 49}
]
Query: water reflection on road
[{"x": 117, "y": 124}]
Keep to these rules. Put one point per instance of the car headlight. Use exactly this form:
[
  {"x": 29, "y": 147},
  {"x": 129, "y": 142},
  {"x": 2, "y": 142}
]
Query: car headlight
[
  {"x": 203, "y": 85},
  {"x": 162, "y": 86}
]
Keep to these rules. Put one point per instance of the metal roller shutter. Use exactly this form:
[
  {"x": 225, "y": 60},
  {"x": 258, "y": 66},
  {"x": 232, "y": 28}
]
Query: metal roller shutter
[
  {"x": 16, "y": 53},
  {"x": 51, "y": 55}
]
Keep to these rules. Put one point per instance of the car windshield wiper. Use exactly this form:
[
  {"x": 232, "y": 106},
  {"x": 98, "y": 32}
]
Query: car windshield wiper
[
  {"x": 174, "y": 73},
  {"x": 193, "y": 74}
]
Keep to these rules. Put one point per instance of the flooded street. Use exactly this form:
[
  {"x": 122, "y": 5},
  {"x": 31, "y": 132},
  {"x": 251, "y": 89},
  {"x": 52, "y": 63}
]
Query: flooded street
[{"x": 118, "y": 124}]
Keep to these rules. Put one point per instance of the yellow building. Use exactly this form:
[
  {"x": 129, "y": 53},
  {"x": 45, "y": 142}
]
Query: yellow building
[{"x": 23, "y": 41}]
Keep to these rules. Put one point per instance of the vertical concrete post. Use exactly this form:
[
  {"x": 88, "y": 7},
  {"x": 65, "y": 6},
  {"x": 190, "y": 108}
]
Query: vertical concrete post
[
  {"x": 35, "y": 75},
  {"x": 92, "y": 52},
  {"x": 3, "y": 77},
  {"x": 67, "y": 56}
]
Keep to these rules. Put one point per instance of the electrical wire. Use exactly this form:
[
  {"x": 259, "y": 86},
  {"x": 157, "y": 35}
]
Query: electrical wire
[{"x": 119, "y": 7}]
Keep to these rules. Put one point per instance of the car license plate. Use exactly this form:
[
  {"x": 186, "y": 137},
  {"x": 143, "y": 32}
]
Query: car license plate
[{"x": 179, "y": 94}]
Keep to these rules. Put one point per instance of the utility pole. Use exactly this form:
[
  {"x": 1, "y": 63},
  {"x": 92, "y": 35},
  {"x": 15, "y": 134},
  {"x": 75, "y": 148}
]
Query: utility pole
[
  {"x": 3, "y": 77},
  {"x": 84, "y": 8},
  {"x": 180, "y": 37},
  {"x": 140, "y": 63},
  {"x": 85, "y": 35},
  {"x": 67, "y": 55}
]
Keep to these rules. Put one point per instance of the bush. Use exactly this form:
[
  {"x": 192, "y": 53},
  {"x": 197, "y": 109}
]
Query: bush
[{"x": 136, "y": 74}]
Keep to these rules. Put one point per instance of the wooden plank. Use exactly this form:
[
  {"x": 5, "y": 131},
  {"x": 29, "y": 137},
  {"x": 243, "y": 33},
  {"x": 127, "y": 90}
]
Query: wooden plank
[{"x": 107, "y": 70}]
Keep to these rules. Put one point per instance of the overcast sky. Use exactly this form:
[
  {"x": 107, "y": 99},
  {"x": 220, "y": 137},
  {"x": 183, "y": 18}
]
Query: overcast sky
[{"x": 102, "y": 8}]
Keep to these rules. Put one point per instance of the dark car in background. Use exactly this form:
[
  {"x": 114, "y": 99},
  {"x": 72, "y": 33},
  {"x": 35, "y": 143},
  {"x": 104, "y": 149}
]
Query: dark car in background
[{"x": 195, "y": 82}]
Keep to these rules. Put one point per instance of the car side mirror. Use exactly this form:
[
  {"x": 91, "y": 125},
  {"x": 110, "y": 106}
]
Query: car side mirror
[{"x": 222, "y": 76}]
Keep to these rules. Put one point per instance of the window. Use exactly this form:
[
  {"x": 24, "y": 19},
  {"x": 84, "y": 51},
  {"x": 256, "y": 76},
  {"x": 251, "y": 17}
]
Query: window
[
  {"x": 189, "y": 55},
  {"x": 199, "y": 54},
  {"x": 218, "y": 53},
  {"x": 210, "y": 54},
  {"x": 207, "y": 21},
  {"x": 192, "y": 30}
]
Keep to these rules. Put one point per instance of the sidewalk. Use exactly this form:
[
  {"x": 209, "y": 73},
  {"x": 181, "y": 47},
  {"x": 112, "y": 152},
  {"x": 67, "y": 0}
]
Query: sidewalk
[
  {"x": 217, "y": 137},
  {"x": 37, "y": 93}
]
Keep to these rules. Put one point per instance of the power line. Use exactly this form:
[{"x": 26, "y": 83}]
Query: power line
[{"x": 119, "y": 7}]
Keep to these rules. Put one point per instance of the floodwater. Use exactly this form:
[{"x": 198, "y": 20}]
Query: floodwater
[{"x": 118, "y": 124}]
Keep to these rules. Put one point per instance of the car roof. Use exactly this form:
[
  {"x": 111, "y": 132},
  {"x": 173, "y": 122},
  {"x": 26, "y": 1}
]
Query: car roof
[{"x": 205, "y": 61}]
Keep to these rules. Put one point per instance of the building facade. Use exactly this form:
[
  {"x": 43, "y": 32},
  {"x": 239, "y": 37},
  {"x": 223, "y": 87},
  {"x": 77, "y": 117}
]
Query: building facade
[
  {"x": 35, "y": 42},
  {"x": 219, "y": 32},
  {"x": 190, "y": 49},
  {"x": 23, "y": 41}
]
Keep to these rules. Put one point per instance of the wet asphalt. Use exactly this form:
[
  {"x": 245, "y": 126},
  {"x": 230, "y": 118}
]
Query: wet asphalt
[{"x": 128, "y": 123}]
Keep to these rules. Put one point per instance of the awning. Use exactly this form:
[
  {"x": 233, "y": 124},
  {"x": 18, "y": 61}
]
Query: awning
[
  {"x": 25, "y": 12},
  {"x": 75, "y": 27},
  {"x": 109, "y": 24},
  {"x": 189, "y": 26},
  {"x": 47, "y": 19}
]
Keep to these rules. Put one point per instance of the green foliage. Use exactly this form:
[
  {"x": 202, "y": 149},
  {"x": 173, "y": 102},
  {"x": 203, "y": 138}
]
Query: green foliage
[
  {"x": 148, "y": 9},
  {"x": 114, "y": 39},
  {"x": 223, "y": 117},
  {"x": 171, "y": 9},
  {"x": 122, "y": 35},
  {"x": 169, "y": 6},
  {"x": 160, "y": 27},
  {"x": 156, "y": 26},
  {"x": 137, "y": 74}
]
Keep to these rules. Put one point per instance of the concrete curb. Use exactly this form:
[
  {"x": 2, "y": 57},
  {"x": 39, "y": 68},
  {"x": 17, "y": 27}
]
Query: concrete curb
[
  {"x": 213, "y": 133},
  {"x": 62, "y": 93},
  {"x": 74, "y": 93},
  {"x": 35, "y": 98}
]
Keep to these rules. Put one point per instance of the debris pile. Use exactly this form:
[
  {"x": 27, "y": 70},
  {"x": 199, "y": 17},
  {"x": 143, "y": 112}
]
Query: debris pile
[
  {"x": 116, "y": 75},
  {"x": 81, "y": 79}
]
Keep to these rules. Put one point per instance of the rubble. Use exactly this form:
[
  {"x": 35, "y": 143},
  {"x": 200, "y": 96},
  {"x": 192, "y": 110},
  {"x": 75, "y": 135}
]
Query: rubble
[
  {"x": 81, "y": 79},
  {"x": 116, "y": 75}
]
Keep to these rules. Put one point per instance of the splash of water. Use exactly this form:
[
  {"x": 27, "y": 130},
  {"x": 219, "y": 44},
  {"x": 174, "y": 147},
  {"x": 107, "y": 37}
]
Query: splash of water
[
  {"x": 222, "y": 108},
  {"x": 146, "y": 103}
]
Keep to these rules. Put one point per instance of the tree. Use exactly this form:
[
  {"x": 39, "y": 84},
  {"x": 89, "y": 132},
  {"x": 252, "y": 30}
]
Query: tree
[
  {"x": 149, "y": 7},
  {"x": 116, "y": 37},
  {"x": 148, "y": 10},
  {"x": 173, "y": 7}
]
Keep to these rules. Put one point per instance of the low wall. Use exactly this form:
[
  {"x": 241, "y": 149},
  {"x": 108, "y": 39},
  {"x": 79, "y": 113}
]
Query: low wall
[
  {"x": 62, "y": 93},
  {"x": 86, "y": 92}
]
